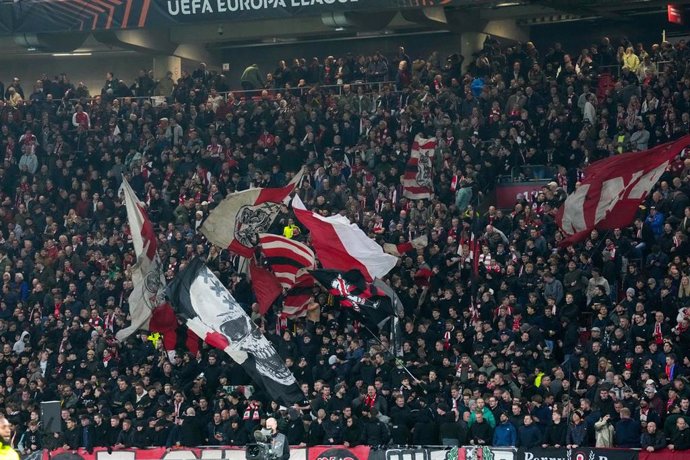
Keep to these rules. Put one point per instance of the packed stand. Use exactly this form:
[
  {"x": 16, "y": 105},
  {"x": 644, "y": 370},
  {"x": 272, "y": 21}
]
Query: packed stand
[{"x": 582, "y": 346}]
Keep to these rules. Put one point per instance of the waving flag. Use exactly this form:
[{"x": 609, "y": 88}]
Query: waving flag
[
  {"x": 296, "y": 300},
  {"x": 418, "y": 180},
  {"x": 238, "y": 220},
  {"x": 613, "y": 189},
  {"x": 215, "y": 316},
  {"x": 286, "y": 257},
  {"x": 369, "y": 302},
  {"x": 340, "y": 245},
  {"x": 147, "y": 307},
  {"x": 398, "y": 250},
  {"x": 266, "y": 287}
]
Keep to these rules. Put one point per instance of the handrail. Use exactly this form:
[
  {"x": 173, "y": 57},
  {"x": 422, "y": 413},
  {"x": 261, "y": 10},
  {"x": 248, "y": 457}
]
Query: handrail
[{"x": 238, "y": 93}]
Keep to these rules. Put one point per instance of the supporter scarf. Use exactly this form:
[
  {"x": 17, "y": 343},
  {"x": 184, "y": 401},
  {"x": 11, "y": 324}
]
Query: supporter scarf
[
  {"x": 370, "y": 401},
  {"x": 670, "y": 371},
  {"x": 252, "y": 412},
  {"x": 669, "y": 404},
  {"x": 454, "y": 183},
  {"x": 658, "y": 336},
  {"x": 110, "y": 322},
  {"x": 516, "y": 324},
  {"x": 446, "y": 340},
  {"x": 281, "y": 324}
]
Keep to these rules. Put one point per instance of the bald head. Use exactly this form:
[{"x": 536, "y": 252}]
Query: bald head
[{"x": 272, "y": 424}]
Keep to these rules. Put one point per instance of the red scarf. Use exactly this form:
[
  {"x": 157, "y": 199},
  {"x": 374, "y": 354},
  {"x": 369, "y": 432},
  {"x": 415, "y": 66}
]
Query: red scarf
[
  {"x": 658, "y": 336},
  {"x": 369, "y": 401},
  {"x": 252, "y": 412}
]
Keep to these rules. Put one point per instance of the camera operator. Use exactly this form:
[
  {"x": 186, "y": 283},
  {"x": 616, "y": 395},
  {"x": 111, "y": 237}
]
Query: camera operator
[{"x": 279, "y": 444}]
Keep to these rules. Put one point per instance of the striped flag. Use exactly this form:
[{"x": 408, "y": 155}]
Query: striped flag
[
  {"x": 296, "y": 300},
  {"x": 286, "y": 257},
  {"x": 418, "y": 180}
]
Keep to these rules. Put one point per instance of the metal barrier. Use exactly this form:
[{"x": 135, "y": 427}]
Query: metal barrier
[{"x": 239, "y": 93}]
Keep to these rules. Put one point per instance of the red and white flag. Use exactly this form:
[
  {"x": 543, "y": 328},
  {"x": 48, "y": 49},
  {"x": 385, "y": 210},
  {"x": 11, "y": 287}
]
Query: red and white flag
[
  {"x": 147, "y": 307},
  {"x": 235, "y": 224},
  {"x": 398, "y": 250},
  {"x": 613, "y": 189},
  {"x": 296, "y": 300},
  {"x": 286, "y": 257},
  {"x": 341, "y": 245},
  {"x": 418, "y": 180}
]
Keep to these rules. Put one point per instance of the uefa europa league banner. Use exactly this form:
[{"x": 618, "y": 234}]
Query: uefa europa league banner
[{"x": 44, "y": 16}]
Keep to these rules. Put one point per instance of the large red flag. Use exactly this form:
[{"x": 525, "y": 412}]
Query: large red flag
[
  {"x": 613, "y": 190},
  {"x": 266, "y": 286}
]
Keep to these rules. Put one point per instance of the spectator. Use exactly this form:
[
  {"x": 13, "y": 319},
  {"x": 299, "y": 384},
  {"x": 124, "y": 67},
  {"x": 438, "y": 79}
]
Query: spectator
[
  {"x": 680, "y": 437},
  {"x": 505, "y": 434},
  {"x": 627, "y": 431},
  {"x": 577, "y": 432},
  {"x": 604, "y": 432},
  {"x": 529, "y": 435},
  {"x": 481, "y": 432},
  {"x": 652, "y": 440}
]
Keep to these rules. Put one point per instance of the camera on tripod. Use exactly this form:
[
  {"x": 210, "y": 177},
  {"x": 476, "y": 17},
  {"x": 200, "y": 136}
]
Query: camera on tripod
[{"x": 262, "y": 449}]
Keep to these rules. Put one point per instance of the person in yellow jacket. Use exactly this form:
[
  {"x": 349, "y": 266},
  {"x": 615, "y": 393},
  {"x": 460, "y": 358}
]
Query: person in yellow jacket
[
  {"x": 6, "y": 450},
  {"x": 290, "y": 230},
  {"x": 631, "y": 60}
]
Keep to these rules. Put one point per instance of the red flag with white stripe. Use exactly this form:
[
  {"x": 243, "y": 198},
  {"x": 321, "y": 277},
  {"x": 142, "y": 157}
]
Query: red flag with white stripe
[{"x": 341, "y": 245}]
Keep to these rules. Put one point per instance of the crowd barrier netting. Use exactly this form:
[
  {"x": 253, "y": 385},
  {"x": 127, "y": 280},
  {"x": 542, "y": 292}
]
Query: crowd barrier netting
[{"x": 339, "y": 452}]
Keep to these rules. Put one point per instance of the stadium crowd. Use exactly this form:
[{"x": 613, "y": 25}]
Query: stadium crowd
[{"x": 545, "y": 346}]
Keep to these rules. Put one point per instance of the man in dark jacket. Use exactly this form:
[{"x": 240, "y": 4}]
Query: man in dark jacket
[
  {"x": 450, "y": 432},
  {"x": 627, "y": 431},
  {"x": 529, "y": 435},
  {"x": 374, "y": 431},
  {"x": 401, "y": 421},
  {"x": 481, "y": 433},
  {"x": 72, "y": 435},
  {"x": 680, "y": 439},
  {"x": 652, "y": 439},
  {"x": 556, "y": 432}
]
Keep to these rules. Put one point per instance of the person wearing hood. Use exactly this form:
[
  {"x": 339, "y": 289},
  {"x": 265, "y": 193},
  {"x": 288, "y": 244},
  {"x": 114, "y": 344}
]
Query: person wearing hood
[
  {"x": 604, "y": 432},
  {"x": 450, "y": 432},
  {"x": 21, "y": 344},
  {"x": 374, "y": 431},
  {"x": 294, "y": 430},
  {"x": 236, "y": 434}
]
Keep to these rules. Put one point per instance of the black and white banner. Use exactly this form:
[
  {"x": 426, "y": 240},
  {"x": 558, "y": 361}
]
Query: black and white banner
[{"x": 215, "y": 316}]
